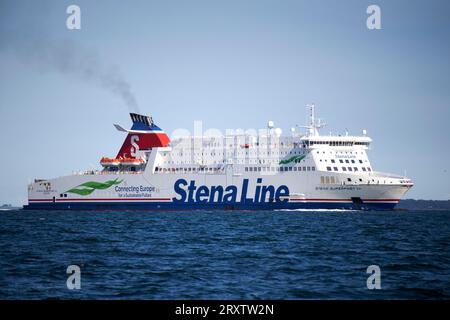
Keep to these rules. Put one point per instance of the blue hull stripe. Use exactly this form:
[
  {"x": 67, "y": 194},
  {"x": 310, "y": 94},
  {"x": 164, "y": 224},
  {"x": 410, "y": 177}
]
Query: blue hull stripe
[{"x": 162, "y": 206}]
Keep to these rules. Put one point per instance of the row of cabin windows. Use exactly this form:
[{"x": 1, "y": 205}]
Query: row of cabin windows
[
  {"x": 241, "y": 143},
  {"x": 256, "y": 162},
  {"x": 213, "y": 154},
  {"x": 337, "y": 143},
  {"x": 279, "y": 169},
  {"x": 157, "y": 169},
  {"x": 237, "y": 161},
  {"x": 365, "y": 169},
  {"x": 247, "y": 169},
  {"x": 333, "y": 180},
  {"x": 342, "y": 161},
  {"x": 328, "y": 180},
  {"x": 347, "y": 161},
  {"x": 231, "y": 153},
  {"x": 334, "y": 143}
]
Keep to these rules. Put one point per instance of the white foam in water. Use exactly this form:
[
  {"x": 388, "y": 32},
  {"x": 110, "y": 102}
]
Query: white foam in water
[{"x": 319, "y": 210}]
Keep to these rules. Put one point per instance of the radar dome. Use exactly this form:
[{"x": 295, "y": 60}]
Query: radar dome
[{"x": 278, "y": 132}]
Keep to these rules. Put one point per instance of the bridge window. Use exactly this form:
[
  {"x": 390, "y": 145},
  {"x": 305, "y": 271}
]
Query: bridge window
[{"x": 328, "y": 168}]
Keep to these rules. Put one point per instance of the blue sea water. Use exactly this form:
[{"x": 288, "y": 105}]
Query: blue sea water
[{"x": 225, "y": 254}]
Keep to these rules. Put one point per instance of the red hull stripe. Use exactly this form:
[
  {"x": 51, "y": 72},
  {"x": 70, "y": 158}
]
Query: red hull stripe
[{"x": 169, "y": 199}]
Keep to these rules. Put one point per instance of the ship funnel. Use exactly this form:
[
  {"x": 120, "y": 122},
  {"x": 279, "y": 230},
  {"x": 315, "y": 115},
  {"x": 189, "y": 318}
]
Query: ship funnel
[
  {"x": 139, "y": 118},
  {"x": 143, "y": 135}
]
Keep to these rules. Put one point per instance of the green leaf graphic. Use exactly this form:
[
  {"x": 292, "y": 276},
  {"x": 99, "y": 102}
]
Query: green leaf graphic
[
  {"x": 81, "y": 192},
  {"x": 88, "y": 187},
  {"x": 98, "y": 185},
  {"x": 291, "y": 159}
]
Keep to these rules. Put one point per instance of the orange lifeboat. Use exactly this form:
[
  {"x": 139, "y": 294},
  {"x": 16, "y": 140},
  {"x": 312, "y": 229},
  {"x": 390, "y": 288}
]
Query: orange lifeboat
[
  {"x": 114, "y": 162},
  {"x": 109, "y": 162},
  {"x": 131, "y": 161}
]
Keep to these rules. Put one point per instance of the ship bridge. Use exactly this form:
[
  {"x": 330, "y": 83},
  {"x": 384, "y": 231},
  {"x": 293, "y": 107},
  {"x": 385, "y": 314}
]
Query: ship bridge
[
  {"x": 313, "y": 139},
  {"x": 335, "y": 141}
]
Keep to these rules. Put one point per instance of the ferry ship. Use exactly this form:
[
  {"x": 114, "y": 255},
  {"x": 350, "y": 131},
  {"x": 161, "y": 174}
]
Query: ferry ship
[{"x": 233, "y": 171}]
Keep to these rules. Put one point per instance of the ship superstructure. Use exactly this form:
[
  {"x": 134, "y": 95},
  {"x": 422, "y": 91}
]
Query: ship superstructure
[{"x": 238, "y": 170}]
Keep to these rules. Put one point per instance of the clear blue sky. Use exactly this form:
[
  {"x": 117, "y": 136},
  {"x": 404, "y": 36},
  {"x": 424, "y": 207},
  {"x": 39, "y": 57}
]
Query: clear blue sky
[{"x": 232, "y": 64}]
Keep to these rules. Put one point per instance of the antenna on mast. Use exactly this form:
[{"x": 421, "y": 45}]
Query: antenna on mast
[
  {"x": 314, "y": 124},
  {"x": 311, "y": 114}
]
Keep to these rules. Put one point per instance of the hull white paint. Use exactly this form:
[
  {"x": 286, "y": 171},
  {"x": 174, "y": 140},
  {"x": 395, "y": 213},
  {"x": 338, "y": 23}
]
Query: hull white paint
[{"x": 157, "y": 191}]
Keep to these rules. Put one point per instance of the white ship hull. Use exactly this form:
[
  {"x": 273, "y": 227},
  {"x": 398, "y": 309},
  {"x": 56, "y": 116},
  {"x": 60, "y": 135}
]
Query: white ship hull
[{"x": 170, "y": 192}]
